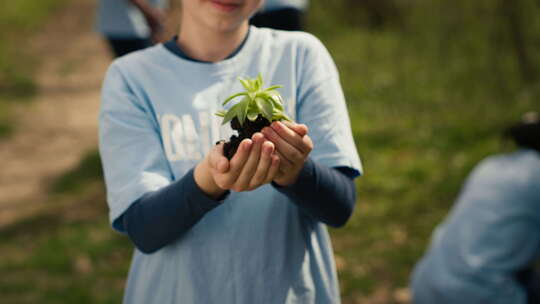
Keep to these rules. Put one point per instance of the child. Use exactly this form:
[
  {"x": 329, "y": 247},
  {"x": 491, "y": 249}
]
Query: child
[{"x": 210, "y": 230}]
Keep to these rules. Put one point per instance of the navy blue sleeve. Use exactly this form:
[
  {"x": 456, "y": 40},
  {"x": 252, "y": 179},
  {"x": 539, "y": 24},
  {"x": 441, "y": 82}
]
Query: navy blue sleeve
[
  {"x": 159, "y": 218},
  {"x": 326, "y": 194}
]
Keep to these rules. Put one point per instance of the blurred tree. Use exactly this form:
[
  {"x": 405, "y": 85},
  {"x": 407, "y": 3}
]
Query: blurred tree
[
  {"x": 512, "y": 11},
  {"x": 375, "y": 14}
]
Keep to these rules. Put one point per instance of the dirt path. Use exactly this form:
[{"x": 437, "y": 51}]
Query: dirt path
[{"x": 60, "y": 125}]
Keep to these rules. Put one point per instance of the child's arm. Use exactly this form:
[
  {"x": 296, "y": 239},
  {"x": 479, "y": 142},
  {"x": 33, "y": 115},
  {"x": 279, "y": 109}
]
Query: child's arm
[
  {"x": 160, "y": 217},
  {"x": 154, "y": 17},
  {"x": 326, "y": 194}
]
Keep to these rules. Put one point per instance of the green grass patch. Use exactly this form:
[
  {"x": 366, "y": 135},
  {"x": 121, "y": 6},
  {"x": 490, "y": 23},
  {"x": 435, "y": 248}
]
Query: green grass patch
[
  {"x": 428, "y": 99},
  {"x": 69, "y": 255},
  {"x": 6, "y": 125},
  {"x": 425, "y": 108},
  {"x": 19, "y": 20},
  {"x": 88, "y": 170}
]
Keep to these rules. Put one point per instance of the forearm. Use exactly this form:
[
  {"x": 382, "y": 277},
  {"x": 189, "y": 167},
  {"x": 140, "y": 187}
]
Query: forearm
[
  {"x": 152, "y": 14},
  {"x": 326, "y": 194},
  {"x": 161, "y": 217},
  {"x": 142, "y": 5}
]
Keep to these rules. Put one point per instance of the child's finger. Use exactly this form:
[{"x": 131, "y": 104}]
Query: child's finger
[
  {"x": 217, "y": 161},
  {"x": 285, "y": 164},
  {"x": 236, "y": 164},
  {"x": 288, "y": 151},
  {"x": 290, "y": 136},
  {"x": 250, "y": 166},
  {"x": 274, "y": 169},
  {"x": 265, "y": 162},
  {"x": 300, "y": 129}
]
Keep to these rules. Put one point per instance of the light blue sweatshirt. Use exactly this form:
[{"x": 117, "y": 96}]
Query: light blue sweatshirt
[{"x": 157, "y": 122}]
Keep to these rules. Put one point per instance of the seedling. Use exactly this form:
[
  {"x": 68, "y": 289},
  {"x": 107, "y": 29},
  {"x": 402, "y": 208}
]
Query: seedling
[{"x": 257, "y": 109}]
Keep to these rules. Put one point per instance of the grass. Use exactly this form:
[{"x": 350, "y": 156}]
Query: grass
[
  {"x": 424, "y": 111},
  {"x": 64, "y": 256},
  {"x": 74, "y": 180},
  {"x": 18, "y": 20},
  {"x": 428, "y": 100}
]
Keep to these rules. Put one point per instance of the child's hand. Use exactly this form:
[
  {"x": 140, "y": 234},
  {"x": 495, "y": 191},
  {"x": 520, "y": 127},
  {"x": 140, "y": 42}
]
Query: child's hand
[
  {"x": 155, "y": 18},
  {"x": 293, "y": 146},
  {"x": 156, "y": 21},
  {"x": 253, "y": 165}
]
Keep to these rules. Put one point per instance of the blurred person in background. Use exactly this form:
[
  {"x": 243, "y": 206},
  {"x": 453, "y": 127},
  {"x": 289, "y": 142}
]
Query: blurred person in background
[
  {"x": 486, "y": 248},
  {"x": 131, "y": 25},
  {"x": 281, "y": 15}
]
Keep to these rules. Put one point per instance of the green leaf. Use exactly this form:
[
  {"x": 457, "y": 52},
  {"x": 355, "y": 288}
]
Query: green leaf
[
  {"x": 258, "y": 103},
  {"x": 259, "y": 82},
  {"x": 267, "y": 103},
  {"x": 277, "y": 98},
  {"x": 233, "y": 97},
  {"x": 272, "y": 88},
  {"x": 231, "y": 113},
  {"x": 280, "y": 116},
  {"x": 276, "y": 101},
  {"x": 266, "y": 107},
  {"x": 246, "y": 84},
  {"x": 270, "y": 92},
  {"x": 252, "y": 95},
  {"x": 252, "y": 116},
  {"x": 253, "y": 109},
  {"x": 263, "y": 94},
  {"x": 242, "y": 110}
]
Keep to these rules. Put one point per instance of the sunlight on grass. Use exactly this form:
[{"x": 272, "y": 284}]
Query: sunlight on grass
[
  {"x": 422, "y": 115},
  {"x": 428, "y": 99},
  {"x": 88, "y": 170},
  {"x": 18, "y": 21},
  {"x": 66, "y": 256}
]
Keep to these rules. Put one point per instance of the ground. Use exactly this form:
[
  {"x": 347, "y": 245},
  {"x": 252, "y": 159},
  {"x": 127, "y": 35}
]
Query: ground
[{"x": 59, "y": 126}]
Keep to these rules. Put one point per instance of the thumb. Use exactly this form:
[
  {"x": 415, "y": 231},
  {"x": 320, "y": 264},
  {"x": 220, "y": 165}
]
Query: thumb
[
  {"x": 218, "y": 160},
  {"x": 222, "y": 165}
]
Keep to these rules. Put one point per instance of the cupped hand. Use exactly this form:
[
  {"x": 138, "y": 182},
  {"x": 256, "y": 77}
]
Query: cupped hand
[
  {"x": 254, "y": 164},
  {"x": 293, "y": 146}
]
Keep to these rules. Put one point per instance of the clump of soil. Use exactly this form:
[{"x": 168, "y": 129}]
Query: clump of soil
[{"x": 244, "y": 131}]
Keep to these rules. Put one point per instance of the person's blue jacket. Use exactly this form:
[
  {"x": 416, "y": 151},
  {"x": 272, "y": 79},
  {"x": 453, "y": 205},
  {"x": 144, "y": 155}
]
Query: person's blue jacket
[{"x": 491, "y": 234}]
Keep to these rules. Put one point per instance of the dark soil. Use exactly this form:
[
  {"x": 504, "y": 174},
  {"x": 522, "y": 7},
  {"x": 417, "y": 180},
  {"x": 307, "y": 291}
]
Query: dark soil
[{"x": 246, "y": 131}]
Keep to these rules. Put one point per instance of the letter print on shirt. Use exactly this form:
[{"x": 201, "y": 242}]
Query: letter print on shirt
[{"x": 191, "y": 137}]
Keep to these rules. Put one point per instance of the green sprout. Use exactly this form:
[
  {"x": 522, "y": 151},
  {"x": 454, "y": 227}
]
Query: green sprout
[{"x": 256, "y": 101}]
